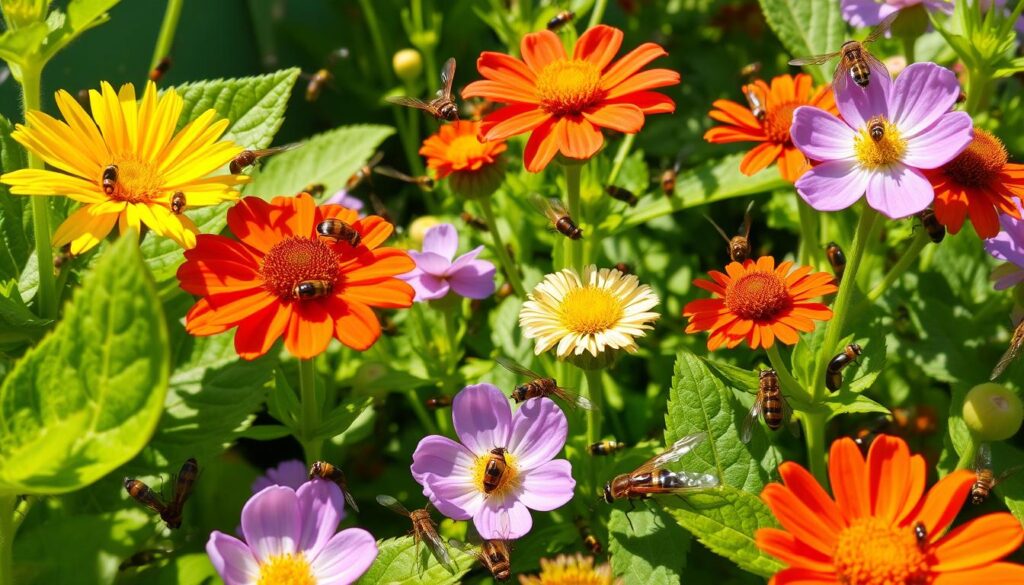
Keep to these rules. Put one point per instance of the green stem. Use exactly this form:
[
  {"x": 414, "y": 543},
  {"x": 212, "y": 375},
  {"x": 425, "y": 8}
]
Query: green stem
[
  {"x": 978, "y": 85},
  {"x": 788, "y": 381},
  {"x": 598, "y": 13},
  {"x": 810, "y": 225},
  {"x": 908, "y": 48},
  {"x": 620, "y": 157},
  {"x": 421, "y": 411},
  {"x": 31, "y": 79},
  {"x": 595, "y": 393},
  {"x": 814, "y": 436},
  {"x": 310, "y": 421},
  {"x": 509, "y": 268},
  {"x": 966, "y": 460},
  {"x": 7, "y": 539},
  {"x": 901, "y": 266},
  {"x": 573, "y": 248},
  {"x": 165, "y": 41},
  {"x": 377, "y": 38}
]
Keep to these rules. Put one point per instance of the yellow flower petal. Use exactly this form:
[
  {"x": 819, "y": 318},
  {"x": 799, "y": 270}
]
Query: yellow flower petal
[{"x": 83, "y": 230}]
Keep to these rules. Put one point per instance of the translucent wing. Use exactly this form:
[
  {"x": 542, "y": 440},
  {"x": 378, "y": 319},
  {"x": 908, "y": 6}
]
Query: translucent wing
[
  {"x": 375, "y": 160},
  {"x": 410, "y": 102},
  {"x": 438, "y": 549},
  {"x": 816, "y": 60},
  {"x": 675, "y": 452},
  {"x": 573, "y": 399},
  {"x": 695, "y": 480},
  {"x": 543, "y": 206},
  {"x": 392, "y": 504},
  {"x": 717, "y": 228},
  {"x": 516, "y": 367},
  {"x": 788, "y": 420},
  {"x": 881, "y": 28},
  {"x": 276, "y": 149},
  {"x": 747, "y": 430},
  {"x": 1012, "y": 352},
  {"x": 183, "y": 483},
  {"x": 394, "y": 174},
  {"x": 746, "y": 220},
  {"x": 983, "y": 458},
  {"x": 448, "y": 77}
]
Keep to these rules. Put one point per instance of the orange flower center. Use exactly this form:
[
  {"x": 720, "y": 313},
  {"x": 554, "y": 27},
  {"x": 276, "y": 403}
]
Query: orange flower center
[
  {"x": 286, "y": 569},
  {"x": 757, "y": 296},
  {"x": 295, "y": 260},
  {"x": 979, "y": 163},
  {"x": 138, "y": 181},
  {"x": 777, "y": 121},
  {"x": 569, "y": 87},
  {"x": 871, "y": 552},
  {"x": 466, "y": 149}
]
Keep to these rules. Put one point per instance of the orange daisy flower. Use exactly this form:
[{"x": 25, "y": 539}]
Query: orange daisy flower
[
  {"x": 786, "y": 94},
  {"x": 757, "y": 302},
  {"x": 979, "y": 183},
  {"x": 474, "y": 167},
  {"x": 281, "y": 279},
  {"x": 882, "y": 528},
  {"x": 564, "y": 102}
]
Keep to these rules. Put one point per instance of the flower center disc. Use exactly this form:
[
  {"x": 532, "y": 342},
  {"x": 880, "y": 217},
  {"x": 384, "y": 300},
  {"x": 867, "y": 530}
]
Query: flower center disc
[
  {"x": 569, "y": 87},
  {"x": 294, "y": 260},
  {"x": 888, "y": 149},
  {"x": 870, "y": 552},
  {"x": 509, "y": 480},
  {"x": 757, "y": 296},
  {"x": 286, "y": 569},
  {"x": 465, "y": 148},
  {"x": 137, "y": 181},
  {"x": 778, "y": 120},
  {"x": 978, "y": 164},
  {"x": 589, "y": 310}
]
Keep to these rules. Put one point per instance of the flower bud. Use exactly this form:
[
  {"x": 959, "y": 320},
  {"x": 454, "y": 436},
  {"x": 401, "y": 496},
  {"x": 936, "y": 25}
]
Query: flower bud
[
  {"x": 993, "y": 412},
  {"x": 21, "y": 13},
  {"x": 419, "y": 226},
  {"x": 408, "y": 64},
  {"x": 911, "y": 23}
]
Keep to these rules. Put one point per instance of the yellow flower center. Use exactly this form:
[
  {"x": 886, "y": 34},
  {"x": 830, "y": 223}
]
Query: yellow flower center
[
  {"x": 879, "y": 144},
  {"x": 757, "y": 296},
  {"x": 778, "y": 120},
  {"x": 569, "y": 87},
  {"x": 286, "y": 569},
  {"x": 295, "y": 260},
  {"x": 508, "y": 481},
  {"x": 138, "y": 181},
  {"x": 570, "y": 570},
  {"x": 871, "y": 552},
  {"x": 590, "y": 309},
  {"x": 979, "y": 163}
]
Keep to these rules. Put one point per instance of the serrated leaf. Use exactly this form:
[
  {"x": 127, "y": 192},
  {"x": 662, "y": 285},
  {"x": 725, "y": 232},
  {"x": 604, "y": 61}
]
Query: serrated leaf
[
  {"x": 807, "y": 28},
  {"x": 88, "y": 397},
  {"x": 397, "y": 564},
  {"x": 647, "y": 546},
  {"x": 15, "y": 235}
]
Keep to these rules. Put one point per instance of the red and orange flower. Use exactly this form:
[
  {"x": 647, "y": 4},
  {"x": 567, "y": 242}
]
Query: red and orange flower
[
  {"x": 253, "y": 283},
  {"x": 473, "y": 167},
  {"x": 869, "y": 533},
  {"x": 979, "y": 183},
  {"x": 785, "y": 95},
  {"x": 564, "y": 102},
  {"x": 757, "y": 302}
]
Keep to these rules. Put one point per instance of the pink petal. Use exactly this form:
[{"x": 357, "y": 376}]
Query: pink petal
[
  {"x": 430, "y": 262},
  {"x": 291, "y": 473},
  {"x": 549, "y": 486},
  {"x": 321, "y": 508},
  {"x": 465, "y": 259},
  {"x": 899, "y": 191},
  {"x": 270, "y": 522},
  {"x": 345, "y": 557},
  {"x": 921, "y": 95},
  {"x": 441, "y": 456},
  {"x": 507, "y": 519},
  {"x": 820, "y": 135},
  {"x": 539, "y": 429},
  {"x": 443, "y": 240},
  {"x": 474, "y": 280},
  {"x": 865, "y": 13},
  {"x": 858, "y": 104},
  {"x": 457, "y": 497},
  {"x": 232, "y": 559},
  {"x": 427, "y": 286},
  {"x": 941, "y": 142},
  {"x": 833, "y": 185},
  {"x": 482, "y": 418}
]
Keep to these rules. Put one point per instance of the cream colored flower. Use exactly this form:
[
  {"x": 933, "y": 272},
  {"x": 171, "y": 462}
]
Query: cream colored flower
[{"x": 603, "y": 309}]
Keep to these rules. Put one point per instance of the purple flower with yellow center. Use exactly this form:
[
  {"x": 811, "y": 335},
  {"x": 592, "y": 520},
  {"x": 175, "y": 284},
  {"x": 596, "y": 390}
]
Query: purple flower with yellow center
[
  {"x": 863, "y": 13},
  {"x": 290, "y": 537},
  {"x": 291, "y": 473},
  {"x": 452, "y": 474},
  {"x": 438, "y": 271},
  {"x": 1008, "y": 246},
  {"x": 887, "y": 133}
]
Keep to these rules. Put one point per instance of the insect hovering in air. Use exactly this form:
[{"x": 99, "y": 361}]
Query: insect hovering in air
[
  {"x": 553, "y": 209},
  {"x": 323, "y": 77},
  {"x": 248, "y": 158},
  {"x": 423, "y": 182},
  {"x": 770, "y": 405},
  {"x": 1012, "y": 352},
  {"x": 158, "y": 72},
  {"x": 170, "y": 512},
  {"x": 561, "y": 19},
  {"x": 985, "y": 479},
  {"x": 364, "y": 172},
  {"x": 438, "y": 402},
  {"x": 423, "y": 529},
  {"x": 834, "y": 371},
  {"x": 606, "y": 447},
  {"x": 622, "y": 194},
  {"x": 441, "y": 107},
  {"x": 589, "y": 540},
  {"x": 856, "y": 62},
  {"x": 739, "y": 245},
  {"x": 652, "y": 479},
  {"x": 539, "y": 386},
  {"x": 936, "y": 231},
  {"x": 324, "y": 470}
]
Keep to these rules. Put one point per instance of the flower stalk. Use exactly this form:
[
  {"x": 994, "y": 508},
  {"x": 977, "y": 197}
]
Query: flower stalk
[
  {"x": 789, "y": 383},
  {"x": 312, "y": 444},
  {"x": 507, "y": 266},
  {"x": 165, "y": 41},
  {"x": 595, "y": 393},
  {"x": 573, "y": 248},
  {"x": 906, "y": 260},
  {"x": 814, "y": 437},
  {"x": 7, "y": 504}
]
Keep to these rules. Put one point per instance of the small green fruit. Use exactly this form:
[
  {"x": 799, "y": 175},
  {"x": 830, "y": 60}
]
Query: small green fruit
[
  {"x": 993, "y": 412},
  {"x": 408, "y": 64},
  {"x": 420, "y": 225}
]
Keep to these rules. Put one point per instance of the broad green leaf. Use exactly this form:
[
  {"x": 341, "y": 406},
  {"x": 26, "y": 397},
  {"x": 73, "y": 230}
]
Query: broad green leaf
[
  {"x": 397, "y": 564},
  {"x": 1011, "y": 488},
  {"x": 81, "y": 16},
  {"x": 647, "y": 546},
  {"x": 15, "y": 234},
  {"x": 329, "y": 158},
  {"x": 342, "y": 417},
  {"x": 17, "y": 322},
  {"x": 185, "y": 569},
  {"x": 807, "y": 28},
  {"x": 88, "y": 397},
  {"x": 15, "y": 45}
]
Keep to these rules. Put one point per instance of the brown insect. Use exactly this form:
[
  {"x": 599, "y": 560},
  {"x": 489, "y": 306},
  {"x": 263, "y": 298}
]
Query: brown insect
[
  {"x": 750, "y": 70},
  {"x": 1012, "y": 352},
  {"x": 624, "y": 268},
  {"x": 837, "y": 259},
  {"x": 495, "y": 555},
  {"x": 423, "y": 529},
  {"x": 143, "y": 558},
  {"x": 423, "y": 182},
  {"x": 312, "y": 289},
  {"x": 834, "y": 371},
  {"x": 442, "y": 107},
  {"x": 605, "y": 447},
  {"x": 158, "y": 72},
  {"x": 985, "y": 479},
  {"x": 622, "y": 194},
  {"x": 364, "y": 172},
  {"x": 326, "y": 471},
  {"x": 539, "y": 386},
  {"x": 739, "y": 245},
  {"x": 494, "y": 469},
  {"x": 755, "y": 100},
  {"x": 248, "y": 158},
  {"x": 669, "y": 176},
  {"x": 936, "y": 231},
  {"x": 555, "y": 212},
  {"x": 855, "y": 61},
  {"x": 652, "y": 479},
  {"x": 62, "y": 257},
  {"x": 921, "y": 535},
  {"x": 561, "y": 19},
  {"x": 316, "y": 84},
  {"x": 178, "y": 202},
  {"x": 109, "y": 179},
  {"x": 589, "y": 540},
  {"x": 769, "y": 404},
  {"x": 876, "y": 128},
  {"x": 438, "y": 402},
  {"x": 169, "y": 512},
  {"x": 474, "y": 221},
  {"x": 339, "y": 231}
]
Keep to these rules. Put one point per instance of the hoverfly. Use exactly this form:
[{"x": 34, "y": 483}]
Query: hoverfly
[
  {"x": 876, "y": 128},
  {"x": 561, "y": 19},
  {"x": 315, "y": 189},
  {"x": 143, "y": 558},
  {"x": 750, "y": 71},
  {"x": 474, "y": 221},
  {"x": 441, "y": 107},
  {"x": 834, "y": 371},
  {"x": 364, "y": 172},
  {"x": 589, "y": 540},
  {"x": 606, "y": 447},
  {"x": 170, "y": 512},
  {"x": 739, "y": 245},
  {"x": 921, "y": 535},
  {"x": 438, "y": 402},
  {"x": 651, "y": 479},
  {"x": 622, "y": 194},
  {"x": 985, "y": 480},
  {"x": 158, "y": 72},
  {"x": 311, "y": 289},
  {"x": 669, "y": 176},
  {"x": 316, "y": 84},
  {"x": 339, "y": 231},
  {"x": 423, "y": 529},
  {"x": 854, "y": 58},
  {"x": 109, "y": 179},
  {"x": 326, "y": 471},
  {"x": 495, "y": 555},
  {"x": 1012, "y": 352},
  {"x": 837, "y": 259},
  {"x": 423, "y": 182},
  {"x": 178, "y": 203},
  {"x": 494, "y": 469},
  {"x": 755, "y": 100},
  {"x": 936, "y": 231},
  {"x": 539, "y": 386},
  {"x": 769, "y": 404},
  {"x": 555, "y": 212},
  {"x": 62, "y": 257},
  {"x": 249, "y": 157}
]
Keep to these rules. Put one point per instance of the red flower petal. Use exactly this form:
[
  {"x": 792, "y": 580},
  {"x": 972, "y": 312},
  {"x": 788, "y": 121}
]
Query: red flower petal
[
  {"x": 541, "y": 147},
  {"x": 979, "y": 542},
  {"x": 539, "y": 49},
  {"x": 630, "y": 63},
  {"x": 626, "y": 118},
  {"x": 598, "y": 45}
]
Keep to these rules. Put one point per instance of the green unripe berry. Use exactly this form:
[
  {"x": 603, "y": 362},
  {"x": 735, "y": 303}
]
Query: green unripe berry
[
  {"x": 993, "y": 412},
  {"x": 420, "y": 225},
  {"x": 408, "y": 64}
]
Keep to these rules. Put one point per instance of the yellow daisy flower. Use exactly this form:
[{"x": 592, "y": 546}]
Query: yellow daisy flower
[
  {"x": 571, "y": 570},
  {"x": 156, "y": 173}
]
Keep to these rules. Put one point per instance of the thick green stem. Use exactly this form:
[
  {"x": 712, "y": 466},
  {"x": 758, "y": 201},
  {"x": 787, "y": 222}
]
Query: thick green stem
[
  {"x": 165, "y": 41},
  {"x": 978, "y": 87},
  {"x": 595, "y": 393},
  {"x": 573, "y": 248},
  {"x": 810, "y": 226},
  {"x": 598, "y": 13},
  {"x": 909, "y": 256},
  {"x": 814, "y": 436},
  {"x": 908, "y": 48},
  {"x": 312, "y": 444},
  {"x": 31, "y": 78},
  {"x": 966, "y": 460},
  {"x": 620, "y": 157},
  {"x": 789, "y": 383},
  {"x": 507, "y": 266},
  {"x": 378, "y": 40},
  {"x": 7, "y": 504}
]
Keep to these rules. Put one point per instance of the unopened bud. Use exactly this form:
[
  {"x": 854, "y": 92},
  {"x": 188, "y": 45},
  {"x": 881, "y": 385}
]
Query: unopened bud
[{"x": 408, "y": 64}]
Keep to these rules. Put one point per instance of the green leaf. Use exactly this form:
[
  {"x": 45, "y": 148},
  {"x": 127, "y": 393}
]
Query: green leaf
[
  {"x": 807, "y": 28},
  {"x": 88, "y": 397},
  {"x": 1011, "y": 488},
  {"x": 342, "y": 417},
  {"x": 81, "y": 16},
  {"x": 186, "y": 569},
  {"x": 397, "y": 564},
  {"x": 647, "y": 546},
  {"x": 15, "y": 235},
  {"x": 264, "y": 432},
  {"x": 17, "y": 322},
  {"x": 329, "y": 158},
  {"x": 16, "y": 45}
]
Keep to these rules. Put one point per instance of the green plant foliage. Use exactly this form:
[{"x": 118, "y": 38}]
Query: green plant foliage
[
  {"x": 397, "y": 562},
  {"x": 807, "y": 28},
  {"x": 647, "y": 546},
  {"x": 16, "y": 240}
]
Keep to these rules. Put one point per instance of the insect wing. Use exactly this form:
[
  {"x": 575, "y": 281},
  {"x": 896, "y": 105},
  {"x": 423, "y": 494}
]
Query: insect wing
[
  {"x": 1012, "y": 352},
  {"x": 983, "y": 458},
  {"x": 747, "y": 430},
  {"x": 276, "y": 149},
  {"x": 394, "y": 174},
  {"x": 674, "y": 453},
  {"x": 447, "y": 77},
  {"x": 746, "y": 220},
  {"x": 815, "y": 60},
  {"x": 392, "y": 504},
  {"x": 573, "y": 399},
  {"x": 375, "y": 160},
  {"x": 717, "y": 228},
  {"x": 183, "y": 483},
  {"x": 881, "y": 29},
  {"x": 438, "y": 549},
  {"x": 517, "y": 368},
  {"x": 695, "y": 481},
  {"x": 544, "y": 206},
  {"x": 788, "y": 420},
  {"x": 410, "y": 102}
]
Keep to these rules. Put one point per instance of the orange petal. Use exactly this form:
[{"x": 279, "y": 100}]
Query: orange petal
[
  {"x": 643, "y": 81},
  {"x": 541, "y": 147},
  {"x": 888, "y": 476},
  {"x": 295, "y": 215},
  {"x": 389, "y": 294},
  {"x": 201, "y": 312},
  {"x": 310, "y": 329},
  {"x": 983, "y": 215},
  {"x": 578, "y": 138},
  {"x": 227, "y": 309},
  {"x": 540, "y": 49},
  {"x": 995, "y": 574},
  {"x": 783, "y": 546},
  {"x": 792, "y": 163},
  {"x": 625, "y": 118},
  {"x": 802, "y": 87},
  {"x": 374, "y": 230},
  {"x": 847, "y": 473},
  {"x": 249, "y": 220},
  {"x": 733, "y": 113},
  {"x": 355, "y": 325},
  {"x": 258, "y": 333},
  {"x": 512, "y": 120},
  {"x": 800, "y": 576},
  {"x": 727, "y": 134},
  {"x": 807, "y": 490},
  {"x": 375, "y": 265},
  {"x": 502, "y": 67},
  {"x": 783, "y": 90},
  {"x": 598, "y": 45},
  {"x": 649, "y": 102},
  {"x": 944, "y": 500},
  {"x": 760, "y": 157},
  {"x": 915, "y": 489},
  {"x": 979, "y": 542},
  {"x": 500, "y": 91},
  {"x": 785, "y": 333},
  {"x": 630, "y": 63},
  {"x": 797, "y": 518}
]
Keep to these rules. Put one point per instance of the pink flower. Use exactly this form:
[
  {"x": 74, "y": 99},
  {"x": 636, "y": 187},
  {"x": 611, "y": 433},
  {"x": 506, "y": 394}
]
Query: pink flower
[
  {"x": 344, "y": 198},
  {"x": 1008, "y": 246},
  {"x": 291, "y": 473},
  {"x": 452, "y": 473},
  {"x": 863, "y": 13},
  {"x": 913, "y": 129},
  {"x": 290, "y": 538},
  {"x": 438, "y": 271}
]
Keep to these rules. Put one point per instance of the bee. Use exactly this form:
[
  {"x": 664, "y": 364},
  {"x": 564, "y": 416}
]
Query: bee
[
  {"x": 755, "y": 100},
  {"x": 1012, "y": 352},
  {"x": 539, "y": 386},
  {"x": 837, "y": 259},
  {"x": 248, "y": 158},
  {"x": 178, "y": 203},
  {"x": 668, "y": 179},
  {"x": 423, "y": 182},
  {"x": 605, "y": 447},
  {"x": 494, "y": 469},
  {"x": 854, "y": 59},
  {"x": 143, "y": 558},
  {"x": 589, "y": 540},
  {"x": 651, "y": 479},
  {"x": 495, "y": 555},
  {"x": 441, "y": 107},
  {"x": 474, "y": 221},
  {"x": 750, "y": 71},
  {"x": 158, "y": 72},
  {"x": 316, "y": 84},
  {"x": 311, "y": 289},
  {"x": 423, "y": 529},
  {"x": 109, "y": 179},
  {"x": 876, "y": 128},
  {"x": 921, "y": 535},
  {"x": 438, "y": 402},
  {"x": 170, "y": 512},
  {"x": 834, "y": 371},
  {"x": 555, "y": 212},
  {"x": 985, "y": 480},
  {"x": 315, "y": 189},
  {"x": 936, "y": 231},
  {"x": 624, "y": 195},
  {"x": 326, "y": 471},
  {"x": 561, "y": 19},
  {"x": 339, "y": 231},
  {"x": 364, "y": 172},
  {"x": 739, "y": 245},
  {"x": 769, "y": 404},
  {"x": 624, "y": 268}
]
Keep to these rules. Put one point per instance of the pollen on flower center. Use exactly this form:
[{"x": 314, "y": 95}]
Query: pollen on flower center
[
  {"x": 778, "y": 120},
  {"x": 509, "y": 479},
  {"x": 884, "y": 151},
  {"x": 286, "y": 569},
  {"x": 979, "y": 163},
  {"x": 757, "y": 296},
  {"x": 589, "y": 310},
  {"x": 294, "y": 260},
  {"x": 138, "y": 181},
  {"x": 569, "y": 87},
  {"x": 872, "y": 552}
]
